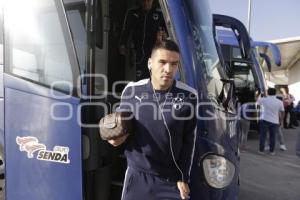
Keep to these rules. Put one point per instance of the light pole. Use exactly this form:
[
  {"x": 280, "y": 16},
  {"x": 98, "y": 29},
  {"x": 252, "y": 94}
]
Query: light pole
[{"x": 249, "y": 15}]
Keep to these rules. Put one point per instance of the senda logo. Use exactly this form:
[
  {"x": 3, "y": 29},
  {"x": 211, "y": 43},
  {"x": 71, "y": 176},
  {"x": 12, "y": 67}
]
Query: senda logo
[{"x": 30, "y": 145}]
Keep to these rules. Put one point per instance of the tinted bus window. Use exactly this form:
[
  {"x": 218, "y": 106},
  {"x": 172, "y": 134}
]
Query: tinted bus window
[
  {"x": 206, "y": 51},
  {"x": 236, "y": 52},
  {"x": 75, "y": 10},
  {"x": 36, "y": 45},
  {"x": 1, "y": 36},
  {"x": 1, "y": 51}
]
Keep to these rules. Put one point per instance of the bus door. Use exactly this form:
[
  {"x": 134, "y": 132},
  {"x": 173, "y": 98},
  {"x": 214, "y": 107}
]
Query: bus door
[
  {"x": 107, "y": 72},
  {"x": 96, "y": 27},
  {"x": 89, "y": 24},
  {"x": 42, "y": 129},
  {"x": 105, "y": 166}
]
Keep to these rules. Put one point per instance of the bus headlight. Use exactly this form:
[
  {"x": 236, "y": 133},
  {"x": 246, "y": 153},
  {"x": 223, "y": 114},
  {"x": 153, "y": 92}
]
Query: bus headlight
[{"x": 218, "y": 171}]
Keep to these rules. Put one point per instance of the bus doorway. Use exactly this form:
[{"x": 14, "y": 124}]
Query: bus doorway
[{"x": 96, "y": 28}]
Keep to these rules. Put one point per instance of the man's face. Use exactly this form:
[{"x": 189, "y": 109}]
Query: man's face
[
  {"x": 164, "y": 65},
  {"x": 147, "y": 4}
]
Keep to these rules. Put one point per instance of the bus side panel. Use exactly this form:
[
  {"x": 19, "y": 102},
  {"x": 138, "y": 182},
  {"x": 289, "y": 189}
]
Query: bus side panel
[
  {"x": 1, "y": 108},
  {"x": 1, "y": 122},
  {"x": 43, "y": 154}
]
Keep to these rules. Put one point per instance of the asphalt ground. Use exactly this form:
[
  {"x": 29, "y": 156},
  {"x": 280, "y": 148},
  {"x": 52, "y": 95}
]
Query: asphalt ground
[{"x": 267, "y": 177}]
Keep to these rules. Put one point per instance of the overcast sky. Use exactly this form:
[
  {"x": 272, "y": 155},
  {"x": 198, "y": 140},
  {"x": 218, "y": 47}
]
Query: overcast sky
[{"x": 270, "y": 19}]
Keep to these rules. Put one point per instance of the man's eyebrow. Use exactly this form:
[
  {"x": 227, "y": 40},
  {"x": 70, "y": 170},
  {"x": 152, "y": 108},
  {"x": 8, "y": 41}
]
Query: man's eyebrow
[
  {"x": 162, "y": 60},
  {"x": 165, "y": 61}
]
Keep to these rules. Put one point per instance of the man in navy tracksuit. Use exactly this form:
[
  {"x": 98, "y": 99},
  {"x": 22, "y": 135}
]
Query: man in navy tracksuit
[
  {"x": 160, "y": 152},
  {"x": 143, "y": 26}
]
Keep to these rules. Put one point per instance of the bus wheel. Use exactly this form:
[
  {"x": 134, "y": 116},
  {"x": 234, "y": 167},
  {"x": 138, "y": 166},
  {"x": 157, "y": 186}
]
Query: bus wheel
[{"x": 2, "y": 175}]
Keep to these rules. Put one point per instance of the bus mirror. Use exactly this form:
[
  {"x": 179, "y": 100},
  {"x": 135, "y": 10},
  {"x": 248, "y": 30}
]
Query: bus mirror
[
  {"x": 274, "y": 50},
  {"x": 240, "y": 31},
  {"x": 225, "y": 99},
  {"x": 267, "y": 60}
]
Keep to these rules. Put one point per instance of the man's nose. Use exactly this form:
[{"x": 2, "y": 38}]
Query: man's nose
[{"x": 168, "y": 67}]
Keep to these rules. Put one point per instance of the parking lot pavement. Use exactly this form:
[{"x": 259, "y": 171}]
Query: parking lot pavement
[{"x": 267, "y": 177}]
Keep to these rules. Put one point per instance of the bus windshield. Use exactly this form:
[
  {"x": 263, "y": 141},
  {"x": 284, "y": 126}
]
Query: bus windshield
[{"x": 206, "y": 53}]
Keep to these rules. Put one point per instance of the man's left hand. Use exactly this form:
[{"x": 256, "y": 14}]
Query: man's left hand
[{"x": 184, "y": 189}]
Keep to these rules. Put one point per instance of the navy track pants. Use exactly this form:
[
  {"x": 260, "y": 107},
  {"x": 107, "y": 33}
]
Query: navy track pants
[{"x": 144, "y": 186}]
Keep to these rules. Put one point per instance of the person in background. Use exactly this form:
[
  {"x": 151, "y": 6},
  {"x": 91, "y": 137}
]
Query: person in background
[
  {"x": 280, "y": 136},
  {"x": 296, "y": 115},
  {"x": 142, "y": 28},
  {"x": 245, "y": 117},
  {"x": 271, "y": 117},
  {"x": 244, "y": 124},
  {"x": 288, "y": 100}
]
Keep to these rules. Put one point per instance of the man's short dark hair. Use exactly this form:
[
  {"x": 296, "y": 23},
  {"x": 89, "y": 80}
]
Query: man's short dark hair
[
  {"x": 165, "y": 44},
  {"x": 271, "y": 91}
]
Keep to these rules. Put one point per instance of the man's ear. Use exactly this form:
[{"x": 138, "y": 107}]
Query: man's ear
[{"x": 149, "y": 64}]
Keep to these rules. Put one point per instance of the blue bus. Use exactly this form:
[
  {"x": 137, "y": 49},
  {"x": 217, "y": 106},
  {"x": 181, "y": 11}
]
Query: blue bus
[
  {"x": 61, "y": 72},
  {"x": 247, "y": 71}
]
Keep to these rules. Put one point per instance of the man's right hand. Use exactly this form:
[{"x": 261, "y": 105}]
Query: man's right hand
[
  {"x": 118, "y": 141},
  {"x": 183, "y": 189}
]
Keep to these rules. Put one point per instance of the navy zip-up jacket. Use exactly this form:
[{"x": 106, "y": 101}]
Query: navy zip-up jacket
[{"x": 148, "y": 149}]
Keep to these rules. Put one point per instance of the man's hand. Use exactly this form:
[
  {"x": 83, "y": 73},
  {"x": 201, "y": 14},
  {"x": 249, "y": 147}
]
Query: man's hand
[
  {"x": 184, "y": 189},
  {"x": 118, "y": 141}
]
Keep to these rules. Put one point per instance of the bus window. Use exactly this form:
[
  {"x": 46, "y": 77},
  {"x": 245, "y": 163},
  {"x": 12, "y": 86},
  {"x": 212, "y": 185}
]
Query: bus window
[
  {"x": 1, "y": 38},
  {"x": 75, "y": 10},
  {"x": 103, "y": 26},
  {"x": 236, "y": 52},
  {"x": 1, "y": 53},
  {"x": 206, "y": 52},
  {"x": 89, "y": 29},
  {"x": 36, "y": 46}
]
